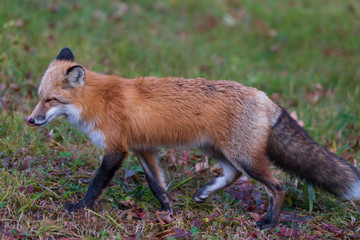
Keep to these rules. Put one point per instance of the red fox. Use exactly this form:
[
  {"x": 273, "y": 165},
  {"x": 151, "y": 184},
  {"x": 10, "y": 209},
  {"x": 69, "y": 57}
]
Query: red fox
[{"x": 238, "y": 126}]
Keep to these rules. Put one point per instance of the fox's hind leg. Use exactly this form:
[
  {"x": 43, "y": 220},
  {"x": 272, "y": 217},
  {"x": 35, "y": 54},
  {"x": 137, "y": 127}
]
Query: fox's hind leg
[
  {"x": 258, "y": 169},
  {"x": 155, "y": 177},
  {"x": 228, "y": 176}
]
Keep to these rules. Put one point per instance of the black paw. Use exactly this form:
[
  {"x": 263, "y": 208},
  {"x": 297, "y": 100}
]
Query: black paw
[
  {"x": 264, "y": 224},
  {"x": 71, "y": 208}
]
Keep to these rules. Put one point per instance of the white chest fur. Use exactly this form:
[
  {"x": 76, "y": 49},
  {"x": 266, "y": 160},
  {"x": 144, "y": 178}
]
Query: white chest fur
[{"x": 74, "y": 117}]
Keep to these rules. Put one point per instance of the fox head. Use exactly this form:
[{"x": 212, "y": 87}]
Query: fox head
[{"x": 60, "y": 84}]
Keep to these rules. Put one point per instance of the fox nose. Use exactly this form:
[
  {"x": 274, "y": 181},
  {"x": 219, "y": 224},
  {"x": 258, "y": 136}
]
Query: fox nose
[{"x": 30, "y": 121}]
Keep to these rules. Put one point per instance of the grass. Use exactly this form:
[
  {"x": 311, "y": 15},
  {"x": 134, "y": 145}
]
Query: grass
[{"x": 304, "y": 54}]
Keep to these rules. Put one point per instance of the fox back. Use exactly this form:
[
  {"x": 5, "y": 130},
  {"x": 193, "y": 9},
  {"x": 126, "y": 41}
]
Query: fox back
[{"x": 149, "y": 111}]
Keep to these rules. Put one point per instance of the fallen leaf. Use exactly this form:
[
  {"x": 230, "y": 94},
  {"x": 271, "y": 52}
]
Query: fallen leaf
[
  {"x": 205, "y": 23},
  {"x": 19, "y": 23},
  {"x": 242, "y": 179},
  {"x": 185, "y": 158},
  {"x": 122, "y": 8},
  {"x": 30, "y": 189},
  {"x": 30, "y": 95},
  {"x": 4, "y": 102},
  {"x": 256, "y": 194},
  {"x": 319, "y": 92},
  {"x": 346, "y": 155},
  {"x": 129, "y": 216},
  {"x": 14, "y": 87},
  {"x": 216, "y": 168},
  {"x": 276, "y": 97},
  {"x": 275, "y": 48},
  {"x": 164, "y": 216},
  {"x": 25, "y": 164},
  {"x": 165, "y": 234},
  {"x": 3, "y": 86},
  {"x": 338, "y": 135},
  {"x": 126, "y": 204},
  {"x": 229, "y": 20},
  {"x": 272, "y": 33},
  {"x": 161, "y": 7},
  {"x": 332, "y": 228},
  {"x": 129, "y": 172},
  {"x": 202, "y": 166},
  {"x": 179, "y": 232},
  {"x": 54, "y": 8},
  {"x": 132, "y": 237},
  {"x": 294, "y": 115},
  {"x": 255, "y": 216},
  {"x": 287, "y": 232},
  {"x": 140, "y": 214},
  {"x": 196, "y": 223},
  {"x": 85, "y": 180},
  {"x": 260, "y": 25}
]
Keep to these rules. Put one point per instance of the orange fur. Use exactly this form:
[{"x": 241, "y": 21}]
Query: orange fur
[
  {"x": 238, "y": 126},
  {"x": 148, "y": 112}
]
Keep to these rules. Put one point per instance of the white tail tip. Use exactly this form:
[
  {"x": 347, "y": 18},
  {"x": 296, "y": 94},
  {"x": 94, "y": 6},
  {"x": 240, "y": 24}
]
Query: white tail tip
[{"x": 354, "y": 192}]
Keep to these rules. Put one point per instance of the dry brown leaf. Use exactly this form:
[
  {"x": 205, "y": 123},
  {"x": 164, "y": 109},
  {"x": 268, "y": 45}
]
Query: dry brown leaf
[
  {"x": 54, "y": 8},
  {"x": 354, "y": 162},
  {"x": 276, "y": 97},
  {"x": 19, "y": 23},
  {"x": 164, "y": 234},
  {"x": 216, "y": 168},
  {"x": 333, "y": 150},
  {"x": 275, "y": 48},
  {"x": 319, "y": 92},
  {"x": 202, "y": 166},
  {"x": 260, "y": 25},
  {"x": 122, "y": 8},
  {"x": 160, "y": 7},
  {"x": 129, "y": 216},
  {"x": 242, "y": 179},
  {"x": 164, "y": 217},
  {"x": 294, "y": 115},
  {"x": 255, "y": 216},
  {"x": 25, "y": 164},
  {"x": 272, "y": 33},
  {"x": 14, "y": 87}
]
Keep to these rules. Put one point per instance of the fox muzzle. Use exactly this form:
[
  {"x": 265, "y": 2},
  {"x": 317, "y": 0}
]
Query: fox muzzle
[{"x": 32, "y": 121}]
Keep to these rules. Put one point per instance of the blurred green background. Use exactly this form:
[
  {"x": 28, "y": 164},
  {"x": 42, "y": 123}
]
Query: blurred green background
[{"x": 304, "y": 54}]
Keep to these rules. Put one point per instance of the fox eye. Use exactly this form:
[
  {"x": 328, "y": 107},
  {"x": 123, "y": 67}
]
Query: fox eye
[{"x": 49, "y": 100}]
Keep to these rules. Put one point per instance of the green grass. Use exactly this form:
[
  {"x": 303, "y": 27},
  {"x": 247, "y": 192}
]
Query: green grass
[{"x": 304, "y": 54}]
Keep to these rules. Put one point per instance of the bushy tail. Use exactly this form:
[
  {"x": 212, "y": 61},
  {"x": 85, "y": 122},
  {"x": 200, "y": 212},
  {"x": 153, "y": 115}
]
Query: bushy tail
[{"x": 291, "y": 148}]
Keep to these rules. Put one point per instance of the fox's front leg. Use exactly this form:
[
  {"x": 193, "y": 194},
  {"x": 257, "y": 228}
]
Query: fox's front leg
[
  {"x": 110, "y": 164},
  {"x": 155, "y": 177}
]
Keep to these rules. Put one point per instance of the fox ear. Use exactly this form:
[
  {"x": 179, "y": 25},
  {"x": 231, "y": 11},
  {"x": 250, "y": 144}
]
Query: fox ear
[
  {"x": 65, "y": 54},
  {"x": 74, "y": 77}
]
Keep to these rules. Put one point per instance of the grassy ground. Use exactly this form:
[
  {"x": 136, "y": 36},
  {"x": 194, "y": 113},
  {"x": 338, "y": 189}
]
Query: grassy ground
[{"x": 304, "y": 54}]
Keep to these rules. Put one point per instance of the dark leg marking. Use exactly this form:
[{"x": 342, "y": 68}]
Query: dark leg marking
[
  {"x": 260, "y": 172},
  {"x": 155, "y": 177},
  {"x": 110, "y": 164}
]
